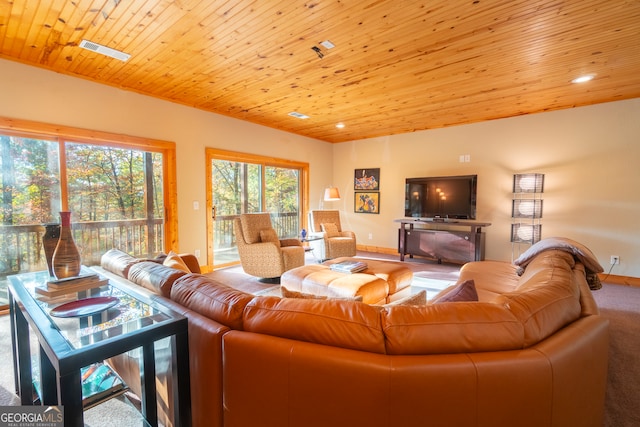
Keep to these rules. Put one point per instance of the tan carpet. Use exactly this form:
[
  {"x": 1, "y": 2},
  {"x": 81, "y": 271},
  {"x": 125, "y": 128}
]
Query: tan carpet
[
  {"x": 621, "y": 305},
  {"x": 7, "y": 389}
]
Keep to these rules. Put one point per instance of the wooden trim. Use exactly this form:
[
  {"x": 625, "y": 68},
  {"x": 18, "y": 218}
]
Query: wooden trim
[
  {"x": 170, "y": 189},
  {"x": 73, "y": 134},
  {"x": 378, "y": 249},
  {"x": 209, "y": 155},
  {"x": 64, "y": 178},
  {"x": 253, "y": 158},
  {"x": 619, "y": 280}
]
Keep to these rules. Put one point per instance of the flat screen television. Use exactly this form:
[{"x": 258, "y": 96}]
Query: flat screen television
[{"x": 441, "y": 197}]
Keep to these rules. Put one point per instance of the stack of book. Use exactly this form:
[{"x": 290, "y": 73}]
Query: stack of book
[
  {"x": 87, "y": 279},
  {"x": 99, "y": 383},
  {"x": 349, "y": 266}
]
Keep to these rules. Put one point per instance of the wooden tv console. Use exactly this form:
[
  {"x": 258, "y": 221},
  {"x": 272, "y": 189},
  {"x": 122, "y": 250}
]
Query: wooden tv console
[{"x": 454, "y": 241}]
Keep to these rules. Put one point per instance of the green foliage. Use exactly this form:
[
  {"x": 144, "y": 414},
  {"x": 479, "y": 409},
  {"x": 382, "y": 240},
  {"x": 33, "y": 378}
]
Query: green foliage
[
  {"x": 107, "y": 183},
  {"x": 29, "y": 180},
  {"x": 103, "y": 183},
  {"x": 282, "y": 189},
  {"x": 237, "y": 188}
]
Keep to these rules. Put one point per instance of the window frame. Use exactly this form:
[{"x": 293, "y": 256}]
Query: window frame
[
  {"x": 236, "y": 156},
  {"x": 64, "y": 134}
]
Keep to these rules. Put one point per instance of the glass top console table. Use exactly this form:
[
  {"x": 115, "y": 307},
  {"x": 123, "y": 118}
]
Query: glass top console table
[{"x": 73, "y": 334}]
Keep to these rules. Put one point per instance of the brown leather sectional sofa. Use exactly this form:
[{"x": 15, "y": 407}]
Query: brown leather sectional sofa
[{"x": 533, "y": 351}]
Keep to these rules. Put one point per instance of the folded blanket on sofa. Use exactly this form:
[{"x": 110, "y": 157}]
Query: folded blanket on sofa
[{"x": 579, "y": 251}]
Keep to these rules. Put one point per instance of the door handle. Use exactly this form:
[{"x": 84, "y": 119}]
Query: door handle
[{"x": 213, "y": 213}]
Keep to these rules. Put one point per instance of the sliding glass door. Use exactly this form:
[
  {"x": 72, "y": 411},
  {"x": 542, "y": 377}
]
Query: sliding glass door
[
  {"x": 242, "y": 183},
  {"x": 116, "y": 187}
]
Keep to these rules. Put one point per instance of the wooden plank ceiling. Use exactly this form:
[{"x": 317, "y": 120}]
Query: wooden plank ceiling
[{"x": 397, "y": 66}]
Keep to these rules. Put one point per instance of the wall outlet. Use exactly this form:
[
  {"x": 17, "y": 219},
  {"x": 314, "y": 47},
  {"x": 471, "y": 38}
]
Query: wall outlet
[
  {"x": 615, "y": 259},
  {"x": 370, "y": 236},
  {"x": 197, "y": 253}
]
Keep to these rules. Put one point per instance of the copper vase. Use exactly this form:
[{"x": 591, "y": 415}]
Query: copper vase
[
  {"x": 49, "y": 242},
  {"x": 66, "y": 258}
]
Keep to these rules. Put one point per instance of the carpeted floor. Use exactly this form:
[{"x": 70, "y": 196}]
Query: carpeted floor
[
  {"x": 620, "y": 304},
  {"x": 7, "y": 395},
  {"x": 116, "y": 412}
]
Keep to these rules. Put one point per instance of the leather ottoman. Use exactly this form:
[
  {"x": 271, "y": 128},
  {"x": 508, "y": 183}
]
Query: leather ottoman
[
  {"x": 396, "y": 274},
  {"x": 318, "y": 279}
]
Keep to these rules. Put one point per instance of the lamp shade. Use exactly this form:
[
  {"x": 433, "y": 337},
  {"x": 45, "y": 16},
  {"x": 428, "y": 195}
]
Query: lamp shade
[
  {"x": 528, "y": 183},
  {"x": 526, "y": 208},
  {"x": 331, "y": 194},
  {"x": 526, "y": 233}
]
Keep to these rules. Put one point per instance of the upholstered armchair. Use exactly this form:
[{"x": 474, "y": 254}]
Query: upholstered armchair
[
  {"x": 334, "y": 241},
  {"x": 262, "y": 253}
]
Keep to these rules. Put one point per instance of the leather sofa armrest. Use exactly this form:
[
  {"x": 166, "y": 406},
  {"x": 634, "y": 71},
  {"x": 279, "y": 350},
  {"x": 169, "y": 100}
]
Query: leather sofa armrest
[{"x": 118, "y": 262}]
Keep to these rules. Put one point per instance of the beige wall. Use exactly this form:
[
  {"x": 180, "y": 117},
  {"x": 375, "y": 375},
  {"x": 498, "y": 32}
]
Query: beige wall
[
  {"x": 589, "y": 156},
  {"x": 34, "y": 94}
]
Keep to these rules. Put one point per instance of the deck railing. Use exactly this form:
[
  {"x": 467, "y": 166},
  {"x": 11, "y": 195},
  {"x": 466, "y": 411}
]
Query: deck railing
[
  {"x": 21, "y": 247},
  {"x": 286, "y": 224},
  {"x": 140, "y": 238}
]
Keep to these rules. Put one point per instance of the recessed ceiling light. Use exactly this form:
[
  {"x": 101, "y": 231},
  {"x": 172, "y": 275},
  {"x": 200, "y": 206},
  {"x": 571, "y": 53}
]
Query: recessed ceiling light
[
  {"x": 298, "y": 115},
  {"x": 340, "y": 125},
  {"x": 104, "y": 50},
  {"x": 583, "y": 79},
  {"x": 327, "y": 44}
]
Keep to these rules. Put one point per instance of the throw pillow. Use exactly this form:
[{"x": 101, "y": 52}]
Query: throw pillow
[
  {"x": 331, "y": 229},
  {"x": 465, "y": 291},
  {"x": 269, "y": 235},
  {"x": 173, "y": 260},
  {"x": 416, "y": 300},
  {"x": 159, "y": 258},
  {"x": 287, "y": 293}
]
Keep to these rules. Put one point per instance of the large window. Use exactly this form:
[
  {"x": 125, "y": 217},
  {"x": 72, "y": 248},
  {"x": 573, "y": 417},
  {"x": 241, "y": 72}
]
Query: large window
[
  {"x": 244, "y": 183},
  {"x": 116, "y": 188}
]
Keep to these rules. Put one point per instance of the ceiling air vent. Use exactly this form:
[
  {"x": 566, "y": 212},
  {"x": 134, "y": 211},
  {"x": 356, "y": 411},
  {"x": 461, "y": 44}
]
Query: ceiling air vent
[
  {"x": 298, "y": 115},
  {"x": 104, "y": 50}
]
